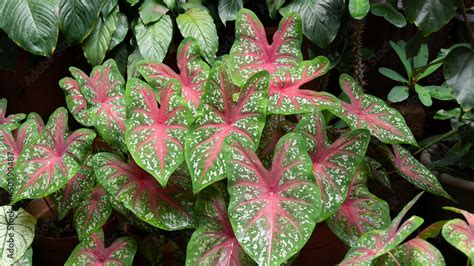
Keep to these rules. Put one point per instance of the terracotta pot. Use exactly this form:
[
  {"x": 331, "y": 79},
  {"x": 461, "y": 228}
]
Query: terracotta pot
[{"x": 52, "y": 251}]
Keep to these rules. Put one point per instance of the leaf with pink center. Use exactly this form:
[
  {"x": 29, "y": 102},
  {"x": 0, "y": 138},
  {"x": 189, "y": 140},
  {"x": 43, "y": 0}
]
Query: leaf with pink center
[
  {"x": 192, "y": 76},
  {"x": 53, "y": 159},
  {"x": 360, "y": 213},
  {"x": 75, "y": 101},
  {"x": 415, "y": 172},
  {"x": 414, "y": 252},
  {"x": 104, "y": 95},
  {"x": 369, "y": 112},
  {"x": 285, "y": 95},
  {"x": 156, "y": 131},
  {"x": 221, "y": 117},
  {"x": 92, "y": 212},
  {"x": 10, "y": 122},
  {"x": 12, "y": 145},
  {"x": 169, "y": 208},
  {"x": 92, "y": 251},
  {"x": 214, "y": 242},
  {"x": 334, "y": 164},
  {"x": 251, "y": 52},
  {"x": 273, "y": 212},
  {"x": 375, "y": 243},
  {"x": 460, "y": 234},
  {"x": 81, "y": 184}
]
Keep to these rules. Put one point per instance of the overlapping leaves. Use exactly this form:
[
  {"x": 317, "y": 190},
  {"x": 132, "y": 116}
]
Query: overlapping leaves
[
  {"x": 460, "y": 233},
  {"x": 10, "y": 122}
]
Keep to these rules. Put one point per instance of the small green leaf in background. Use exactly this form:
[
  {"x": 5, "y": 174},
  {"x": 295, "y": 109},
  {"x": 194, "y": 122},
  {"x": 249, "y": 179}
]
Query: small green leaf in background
[
  {"x": 398, "y": 94},
  {"x": 321, "y": 19},
  {"x": 198, "y": 23},
  {"x": 441, "y": 93},
  {"x": 273, "y": 6},
  {"x": 32, "y": 24},
  {"x": 154, "y": 39},
  {"x": 447, "y": 114},
  {"x": 421, "y": 59},
  {"x": 108, "y": 6},
  {"x": 459, "y": 73},
  {"x": 120, "y": 32},
  {"x": 133, "y": 58},
  {"x": 359, "y": 8},
  {"x": 133, "y": 2},
  {"x": 423, "y": 95},
  {"x": 399, "y": 48},
  {"x": 77, "y": 18},
  {"x": 151, "y": 11},
  {"x": 392, "y": 74},
  {"x": 228, "y": 9},
  {"x": 430, "y": 15},
  {"x": 389, "y": 13}
]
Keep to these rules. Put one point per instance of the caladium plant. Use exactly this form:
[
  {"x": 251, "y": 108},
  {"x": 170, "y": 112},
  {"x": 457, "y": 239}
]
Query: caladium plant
[
  {"x": 460, "y": 233},
  {"x": 10, "y": 122}
]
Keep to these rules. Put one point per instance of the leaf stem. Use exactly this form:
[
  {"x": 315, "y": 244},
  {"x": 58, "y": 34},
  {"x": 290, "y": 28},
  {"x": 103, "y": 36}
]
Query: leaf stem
[
  {"x": 467, "y": 23},
  {"x": 51, "y": 209}
]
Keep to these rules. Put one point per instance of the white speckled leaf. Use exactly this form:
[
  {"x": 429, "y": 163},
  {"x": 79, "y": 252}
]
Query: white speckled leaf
[
  {"x": 75, "y": 190},
  {"x": 155, "y": 132},
  {"x": 17, "y": 230},
  {"x": 369, "y": 112},
  {"x": 193, "y": 72},
  {"x": 285, "y": 95},
  {"x": 10, "y": 122},
  {"x": 273, "y": 212},
  {"x": 104, "y": 92},
  {"x": 415, "y": 172},
  {"x": 11, "y": 146},
  {"x": 92, "y": 251},
  {"x": 251, "y": 52},
  {"x": 334, "y": 164},
  {"x": 52, "y": 160},
  {"x": 92, "y": 213},
  {"x": 414, "y": 252},
  {"x": 76, "y": 103},
  {"x": 461, "y": 234},
  {"x": 360, "y": 213},
  {"x": 221, "y": 117},
  {"x": 169, "y": 208},
  {"x": 214, "y": 242},
  {"x": 378, "y": 242}
]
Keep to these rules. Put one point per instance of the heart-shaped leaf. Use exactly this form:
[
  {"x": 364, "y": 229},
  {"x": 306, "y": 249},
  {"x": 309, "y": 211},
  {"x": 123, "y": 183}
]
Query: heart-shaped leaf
[
  {"x": 219, "y": 118},
  {"x": 10, "y": 122},
  {"x": 75, "y": 101},
  {"x": 77, "y": 18},
  {"x": 92, "y": 213},
  {"x": 334, "y": 164},
  {"x": 461, "y": 234},
  {"x": 371, "y": 113},
  {"x": 193, "y": 72},
  {"x": 153, "y": 40},
  {"x": 378, "y": 242},
  {"x": 414, "y": 252},
  {"x": 169, "y": 208},
  {"x": 214, "y": 242},
  {"x": 104, "y": 93},
  {"x": 53, "y": 159},
  {"x": 415, "y": 172},
  {"x": 155, "y": 132},
  {"x": 273, "y": 212},
  {"x": 360, "y": 213},
  {"x": 251, "y": 52},
  {"x": 17, "y": 230},
  {"x": 92, "y": 251}
]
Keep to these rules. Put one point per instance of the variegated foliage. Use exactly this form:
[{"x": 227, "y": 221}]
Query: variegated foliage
[
  {"x": 413, "y": 252},
  {"x": 460, "y": 233},
  {"x": 9, "y": 122}
]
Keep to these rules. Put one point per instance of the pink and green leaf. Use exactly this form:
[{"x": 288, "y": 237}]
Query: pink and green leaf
[
  {"x": 104, "y": 95},
  {"x": 214, "y": 242},
  {"x": 156, "y": 131},
  {"x": 272, "y": 212},
  {"x": 375, "y": 243},
  {"x": 221, "y": 117},
  {"x": 92, "y": 251},
  {"x": 192, "y": 76},
  {"x": 251, "y": 52},
  {"x": 334, "y": 164},
  {"x": 369, "y": 112},
  {"x": 75, "y": 101},
  {"x": 415, "y": 172},
  {"x": 360, "y": 213},
  {"x": 92, "y": 213},
  {"x": 414, "y": 252},
  {"x": 81, "y": 184},
  {"x": 169, "y": 208},
  {"x": 461, "y": 234},
  {"x": 285, "y": 95},
  {"x": 433, "y": 230},
  {"x": 53, "y": 159},
  {"x": 10, "y": 122}
]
